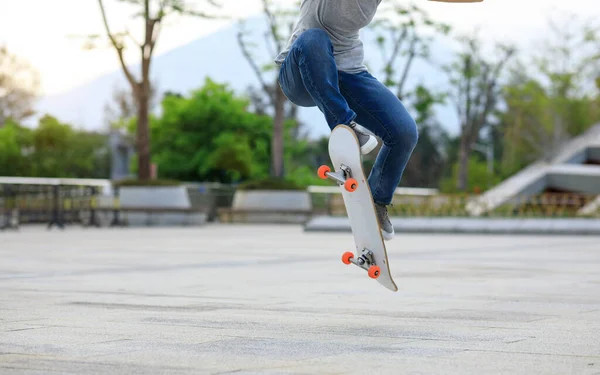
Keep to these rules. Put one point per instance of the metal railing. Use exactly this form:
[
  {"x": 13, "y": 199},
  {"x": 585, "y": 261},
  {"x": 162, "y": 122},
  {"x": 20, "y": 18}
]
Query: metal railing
[
  {"x": 543, "y": 205},
  {"x": 56, "y": 202},
  {"x": 48, "y": 204}
]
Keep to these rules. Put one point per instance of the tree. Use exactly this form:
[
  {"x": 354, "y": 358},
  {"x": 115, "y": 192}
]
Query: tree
[
  {"x": 15, "y": 147},
  {"x": 58, "y": 150},
  {"x": 153, "y": 13},
  {"x": 404, "y": 34},
  {"x": 429, "y": 158},
  {"x": 19, "y": 84},
  {"x": 52, "y": 149},
  {"x": 552, "y": 97},
  {"x": 479, "y": 178},
  {"x": 123, "y": 106},
  {"x": 280, "y": 21},
  {"x": 210, "y": 136},
  {"x": 476, "y": 92}
]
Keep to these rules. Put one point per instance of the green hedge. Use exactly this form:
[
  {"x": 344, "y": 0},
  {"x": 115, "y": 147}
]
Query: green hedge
[
  {"x": 270, "y": 184},
  {"x": 136, "y": 182}
]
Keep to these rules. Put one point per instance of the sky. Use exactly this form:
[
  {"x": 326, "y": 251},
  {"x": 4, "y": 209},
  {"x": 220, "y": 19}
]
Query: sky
[{"x": 44, "y": 33}]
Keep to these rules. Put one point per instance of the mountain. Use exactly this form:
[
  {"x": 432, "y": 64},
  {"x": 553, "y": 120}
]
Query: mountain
[{"x": 217, "y": 56}]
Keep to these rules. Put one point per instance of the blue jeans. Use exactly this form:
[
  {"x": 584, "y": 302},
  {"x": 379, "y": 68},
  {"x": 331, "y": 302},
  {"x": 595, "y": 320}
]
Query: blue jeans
[{"x": 309, "y": 77}]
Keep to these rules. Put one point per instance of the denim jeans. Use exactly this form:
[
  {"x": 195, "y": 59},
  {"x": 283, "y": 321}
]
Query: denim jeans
[{"x": 309, "y": 77}]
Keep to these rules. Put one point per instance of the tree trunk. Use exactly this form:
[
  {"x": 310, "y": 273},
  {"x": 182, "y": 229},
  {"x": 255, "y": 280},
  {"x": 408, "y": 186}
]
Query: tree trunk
[
  {"x": 277, "y": 140},
  {"x": 143, "y": 134},
  {"x": 463, "y": 163}
]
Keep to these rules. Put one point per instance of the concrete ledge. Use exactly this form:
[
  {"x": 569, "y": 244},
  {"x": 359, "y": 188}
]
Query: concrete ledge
[
  {"x": 168, "y": 197},
  {"x": 469, "y": 225},
  {"x": 268, "y": 207},
  {"x": 157, "y": 206}
]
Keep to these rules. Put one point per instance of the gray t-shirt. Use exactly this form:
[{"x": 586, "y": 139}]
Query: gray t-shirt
[{"x": 342, "y": 20}]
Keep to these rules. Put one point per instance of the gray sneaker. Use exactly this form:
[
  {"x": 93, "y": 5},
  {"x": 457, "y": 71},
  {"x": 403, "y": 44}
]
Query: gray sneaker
[
  {"x": 387, "y": 229},
  {"x": 366, "y": 141}
]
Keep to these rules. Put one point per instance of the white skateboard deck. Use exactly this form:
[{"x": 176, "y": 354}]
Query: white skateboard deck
[{"x": 344, "y": 150}]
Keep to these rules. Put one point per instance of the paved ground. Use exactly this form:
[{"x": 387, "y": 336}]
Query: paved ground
[{"x": 274, "y": 300}]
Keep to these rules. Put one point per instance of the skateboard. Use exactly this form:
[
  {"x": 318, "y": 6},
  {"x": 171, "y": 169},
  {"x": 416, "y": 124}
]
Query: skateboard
[{"x": 371, "y": 254}]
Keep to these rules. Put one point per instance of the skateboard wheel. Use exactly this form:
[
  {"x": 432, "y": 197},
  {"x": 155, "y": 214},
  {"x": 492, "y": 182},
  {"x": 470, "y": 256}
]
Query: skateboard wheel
[
  {"x": 374, "y": 272},
  {"x": 346, "y": 257},
  {"x": 322, "y": 171},
  {"x": 351, "y": 185}
]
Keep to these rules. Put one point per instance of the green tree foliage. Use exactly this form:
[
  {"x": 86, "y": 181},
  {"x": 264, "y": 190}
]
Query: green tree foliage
[
  {"x": 210, "y": 136},
  {"x": 479, "y": 178},
  {"x": 15, "y": 143},
  {"x": 52, "y": 149},
  {"x": 51, "y": 142}
]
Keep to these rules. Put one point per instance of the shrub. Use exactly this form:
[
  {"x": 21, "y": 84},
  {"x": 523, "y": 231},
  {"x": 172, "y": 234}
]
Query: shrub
[{"x": 270, "y": 184}]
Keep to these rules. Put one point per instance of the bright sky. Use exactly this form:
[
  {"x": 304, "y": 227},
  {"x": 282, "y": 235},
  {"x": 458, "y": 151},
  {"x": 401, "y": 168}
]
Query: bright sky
[{"x": 40, "y": 31}]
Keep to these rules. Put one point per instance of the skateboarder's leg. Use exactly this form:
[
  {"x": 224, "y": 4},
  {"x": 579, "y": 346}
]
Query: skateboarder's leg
[
  {"x": 381, "y": 112},
  {"x": 309, "y": 77}
]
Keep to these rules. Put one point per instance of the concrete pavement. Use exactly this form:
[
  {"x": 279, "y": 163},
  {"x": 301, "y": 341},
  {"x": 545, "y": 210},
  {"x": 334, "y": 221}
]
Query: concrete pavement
[{"x": 275, "y": 300}]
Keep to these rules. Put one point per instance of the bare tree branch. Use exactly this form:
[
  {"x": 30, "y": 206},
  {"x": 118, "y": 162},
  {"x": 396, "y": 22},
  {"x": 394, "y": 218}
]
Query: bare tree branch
[
  {"x": 272, "y": 24},
  {"x": 270, "y": 44},
  {"x": 398, "y": 42},
  {"x": 405, "y": 26},
  {"x": 254, "y": 66},
  {"x": 118, "y": 47},
  {"x": 407, "y": 66}
]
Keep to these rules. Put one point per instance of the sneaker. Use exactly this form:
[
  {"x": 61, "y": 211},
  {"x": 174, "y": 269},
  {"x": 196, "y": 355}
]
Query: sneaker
[
  {"x": 366, "y": 141},
  {"x": 387, "y": 229}
]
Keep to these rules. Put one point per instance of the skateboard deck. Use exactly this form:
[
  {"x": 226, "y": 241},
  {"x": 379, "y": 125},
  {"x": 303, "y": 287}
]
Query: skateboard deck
[{"x": 370, "y": 254}]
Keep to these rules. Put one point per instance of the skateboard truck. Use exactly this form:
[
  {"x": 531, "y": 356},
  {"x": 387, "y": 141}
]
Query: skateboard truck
[
  {"x": 366, "y": 261},
  {"x": 343, "y": 177}
]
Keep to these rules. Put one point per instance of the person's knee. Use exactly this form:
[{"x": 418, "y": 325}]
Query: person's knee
[
  {"x": 298, "y": 96},
  {"x": 314, "y": 39},
  {"x": 302, "y": 100},
  {"x": 414, "y": 135},
  {"x": 404, "y": 133}
]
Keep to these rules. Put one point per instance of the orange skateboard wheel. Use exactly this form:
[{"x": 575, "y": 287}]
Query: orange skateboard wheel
[
  {"x": 374, "y": 272},
  {"x": 322, "y": 171},
  {"x": 347, "y": 256},
  {"x": 351, "y": 185}
]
